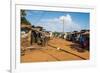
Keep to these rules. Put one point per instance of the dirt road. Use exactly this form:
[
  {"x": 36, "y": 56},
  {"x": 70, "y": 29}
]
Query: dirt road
[{"x": 50, "y": 52}]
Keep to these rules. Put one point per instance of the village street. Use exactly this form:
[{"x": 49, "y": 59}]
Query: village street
[{"x": 57, "y": 50}]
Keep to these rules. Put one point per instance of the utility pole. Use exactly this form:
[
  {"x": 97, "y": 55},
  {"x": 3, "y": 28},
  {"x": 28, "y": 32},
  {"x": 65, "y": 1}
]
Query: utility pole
[
  {"x": 63, "y": 22},
  {"x": 63, "y": 25}
]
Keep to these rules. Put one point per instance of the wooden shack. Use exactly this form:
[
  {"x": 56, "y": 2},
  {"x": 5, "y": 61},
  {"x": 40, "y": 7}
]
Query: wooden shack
[{"x": 26, "y": 35}]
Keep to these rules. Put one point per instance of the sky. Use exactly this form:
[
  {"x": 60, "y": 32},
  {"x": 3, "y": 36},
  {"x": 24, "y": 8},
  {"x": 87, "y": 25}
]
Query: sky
[{"x": 58, "y": 21}]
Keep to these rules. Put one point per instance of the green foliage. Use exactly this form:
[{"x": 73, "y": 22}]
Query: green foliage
[
  {"x": 23, "y": 13},
  {"x": 23, "y": 19},
  {"x": 56, "y": 33}
]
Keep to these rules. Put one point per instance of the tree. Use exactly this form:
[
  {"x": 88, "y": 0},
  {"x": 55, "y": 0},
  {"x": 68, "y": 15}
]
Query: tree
[
  {"x": 25, "y": 21},
  {"x": 23, "y": 18},
  {"x": 23, "y": 13}
]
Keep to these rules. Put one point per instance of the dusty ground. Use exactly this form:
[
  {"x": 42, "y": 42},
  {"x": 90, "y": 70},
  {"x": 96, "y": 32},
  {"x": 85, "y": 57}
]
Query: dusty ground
[{"x": 68, "y": 51}]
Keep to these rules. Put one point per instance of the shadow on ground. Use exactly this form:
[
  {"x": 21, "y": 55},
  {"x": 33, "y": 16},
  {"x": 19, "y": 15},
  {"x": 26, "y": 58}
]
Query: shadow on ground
[{"x": 77, "y": 47}]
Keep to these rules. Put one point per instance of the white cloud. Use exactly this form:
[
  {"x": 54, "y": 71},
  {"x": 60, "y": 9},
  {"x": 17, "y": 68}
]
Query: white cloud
[
  {"x": 66, "y": 19},
  {"x": 56, "y": 23},
  {"x": 69, "y": 24}
]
